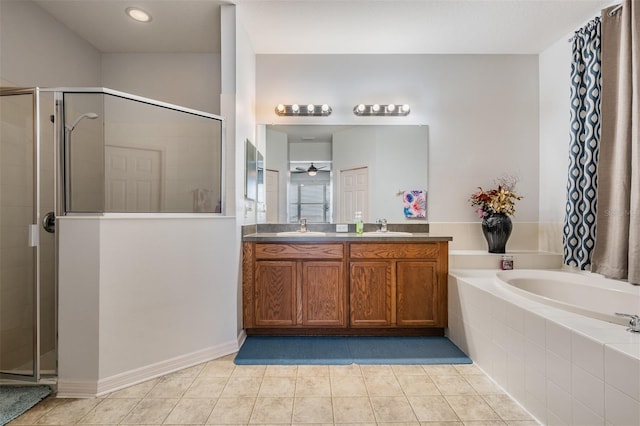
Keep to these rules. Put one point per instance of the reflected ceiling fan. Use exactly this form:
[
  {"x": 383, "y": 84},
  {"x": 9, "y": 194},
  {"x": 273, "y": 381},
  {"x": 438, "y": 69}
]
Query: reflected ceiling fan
[{"x": 311, "y": 171}]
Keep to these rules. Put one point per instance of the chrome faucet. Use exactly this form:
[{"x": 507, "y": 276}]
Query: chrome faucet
[
  {"x": 303, "y": 225},
  {"x": 634, "y": 322},
  {"x": 382, "y": 225}
]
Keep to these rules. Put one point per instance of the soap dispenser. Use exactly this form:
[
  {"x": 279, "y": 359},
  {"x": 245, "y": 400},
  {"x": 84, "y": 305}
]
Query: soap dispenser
[{"x": 359, "y": 223}]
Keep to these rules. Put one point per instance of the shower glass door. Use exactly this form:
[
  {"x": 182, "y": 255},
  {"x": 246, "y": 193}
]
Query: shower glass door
[
  {"x": 27, "y": 251},
  {"x": 18, "y": 255}
]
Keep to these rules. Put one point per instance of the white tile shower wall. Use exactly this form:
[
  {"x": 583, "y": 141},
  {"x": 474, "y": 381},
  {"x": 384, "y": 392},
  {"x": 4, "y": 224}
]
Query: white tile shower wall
[{"x": 558, "y": 373}]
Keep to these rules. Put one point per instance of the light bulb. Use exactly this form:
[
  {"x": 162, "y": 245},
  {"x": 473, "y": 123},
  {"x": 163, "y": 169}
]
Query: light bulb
[
  {"x": 280, "y": 108},
  {"x": 138, "y": 14},
  {"x": 391, "y": 107},
  {"x": 361, "y": 108},
  {"x": 405, "y": 108},
  {"x": 310, "y": 108},
  {"x": 295, "y": 108},
  {"x": 375, "y": 108},
  {"x": 325, "y": 108}
]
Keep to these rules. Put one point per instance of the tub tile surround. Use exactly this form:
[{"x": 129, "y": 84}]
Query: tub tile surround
[{"x": 562, "y": 367}]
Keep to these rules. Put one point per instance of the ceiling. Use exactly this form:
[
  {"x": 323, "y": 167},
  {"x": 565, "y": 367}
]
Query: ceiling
[{"x": 331, "y": 26}]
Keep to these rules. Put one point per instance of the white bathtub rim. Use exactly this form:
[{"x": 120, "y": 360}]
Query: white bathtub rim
[
  {"x": 619, "y": 290},
  {"x": 602, "y": 332}
]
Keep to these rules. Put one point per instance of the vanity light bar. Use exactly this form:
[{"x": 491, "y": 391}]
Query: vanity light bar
[
  {"x": 323, "y": 110},
  {"x": 383, "y": 110}
]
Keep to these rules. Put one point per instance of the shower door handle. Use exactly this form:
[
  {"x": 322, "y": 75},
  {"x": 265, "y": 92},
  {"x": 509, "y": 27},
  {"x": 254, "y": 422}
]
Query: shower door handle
[{"x": 49, "y": 222}]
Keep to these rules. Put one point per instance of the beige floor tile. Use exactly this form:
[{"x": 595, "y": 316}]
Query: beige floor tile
[
  {"x": 313, "y": 386},
  {"x": 376, "y": 370},
  {"x": 345, "y": 370},
  {"x": 312, "y": 410},
  {"x": 432, "y": 409},
  {"x": 281, "y": 371},
  {"x": 453, "y": 385},
  {"x": 187, "y": 372},
  {"x": 392, "y": 409},
  {"x": 110, "y": 411},
  {"x": 277, "y": 386},
  {"x": 313, "y": 370},
  {"x": 68, "y": 413},
  {"x": 398, "y": 423},
  {"x": 206, "y": 387},
  {"x": 418, "y": 385},
  {"x": 228, "y": 411},
  {"x": 272, "y": 410},
  {"x": 441, "y": 424},
  {"x": 170, "y": 387},
  {"x": 352, "y": 410},
  {"x": 441, "y": 370},
  {"x": 348, "y": 386},
  {"x": 468, "y": 369},
  {"x": 36, "y": 412},
  {"x": 241, "y": 386},
  {"x": 229, "y": 357},
  {"x": 191, "y": 411},
  {"x": 150, "y": 411},
  {"x": 483, "y": 385},
  {"x": 522, "y": 423},
  {"x": 506, "y": 408},
  {"x": 383, "y": 386},
  {"x": 356, "y": 424},
  {"x": 136, "y": 391},
  {"x": 408, "y": 370},
  {"x": 485, "y": 423},
  {"x": 249, "y": 371},
  {"x": 471, "y": 407},
  {"x": 217, "y": 369}
]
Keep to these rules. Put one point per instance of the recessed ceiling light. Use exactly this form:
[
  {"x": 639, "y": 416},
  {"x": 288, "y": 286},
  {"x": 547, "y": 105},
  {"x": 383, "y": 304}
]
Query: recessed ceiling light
[{"x": 138, "y": 14}]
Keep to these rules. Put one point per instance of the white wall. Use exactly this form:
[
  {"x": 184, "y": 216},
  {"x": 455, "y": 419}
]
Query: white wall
[
  {"x": 124, "y": 317},
  {"x": 555, "y": 83},
  {"x": 187, "y": 79},
  {"x": 36, "y": 50},
  {"x": 482, "y": 113}
]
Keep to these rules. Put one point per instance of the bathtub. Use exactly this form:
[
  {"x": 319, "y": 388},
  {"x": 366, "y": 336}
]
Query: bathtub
[
  {"x": 552, "y": 341},
  {"x": 590, "y": 295}
]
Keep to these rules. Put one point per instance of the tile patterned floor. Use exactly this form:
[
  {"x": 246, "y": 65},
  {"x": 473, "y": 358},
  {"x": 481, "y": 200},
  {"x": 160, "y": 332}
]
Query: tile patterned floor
[{"x": 221, "y": 393}]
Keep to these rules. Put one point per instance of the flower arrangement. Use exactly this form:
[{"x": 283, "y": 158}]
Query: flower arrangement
[{"x": 499, "y": 200}]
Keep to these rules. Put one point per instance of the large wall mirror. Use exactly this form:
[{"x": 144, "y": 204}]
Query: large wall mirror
[{"x": 324, "y": 173}]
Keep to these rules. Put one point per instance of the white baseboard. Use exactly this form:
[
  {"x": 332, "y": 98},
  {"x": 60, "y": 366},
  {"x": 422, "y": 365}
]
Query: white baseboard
[
  {"x": 92, "y": 389},
  {"x": 241, "y": 338}
]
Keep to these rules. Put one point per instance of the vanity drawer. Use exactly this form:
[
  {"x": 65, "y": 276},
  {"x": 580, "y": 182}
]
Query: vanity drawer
[
  {"x": 299, "y": 251},
  {"x": 394, "y": 251}
]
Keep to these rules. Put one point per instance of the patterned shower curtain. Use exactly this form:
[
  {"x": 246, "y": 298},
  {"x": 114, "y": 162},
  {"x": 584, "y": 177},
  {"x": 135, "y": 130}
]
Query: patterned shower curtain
[{"x": 580, "y": 217}]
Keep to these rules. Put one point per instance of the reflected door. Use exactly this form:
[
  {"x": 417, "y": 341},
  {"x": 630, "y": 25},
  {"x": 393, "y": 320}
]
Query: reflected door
[
  {"x": 354, "y": 194},
  {"x": 132, "y": 179}
]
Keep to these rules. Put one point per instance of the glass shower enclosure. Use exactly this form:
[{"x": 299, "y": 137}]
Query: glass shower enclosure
[{"x": 90, "y": 151}]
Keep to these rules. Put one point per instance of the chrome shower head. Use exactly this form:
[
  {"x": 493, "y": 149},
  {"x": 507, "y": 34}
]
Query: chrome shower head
[{"x": 89, "y": 115}]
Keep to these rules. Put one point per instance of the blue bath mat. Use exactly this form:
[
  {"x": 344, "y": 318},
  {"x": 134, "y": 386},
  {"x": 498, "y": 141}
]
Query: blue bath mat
[
  {"x": 329, "y": 350},
  {"x": 15, "y": 400}
]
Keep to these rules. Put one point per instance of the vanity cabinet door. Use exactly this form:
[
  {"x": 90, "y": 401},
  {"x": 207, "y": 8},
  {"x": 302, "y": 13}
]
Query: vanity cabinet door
[
  {"x": 417, "y": 293},
  {"x": 370, "y": 293},
  {"x": 275, "y": 293},
  {"x": 323, "y": 294}
]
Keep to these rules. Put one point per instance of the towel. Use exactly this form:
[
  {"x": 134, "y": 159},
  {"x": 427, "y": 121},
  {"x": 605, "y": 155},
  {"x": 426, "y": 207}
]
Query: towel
[
  {"x": 415, "y": 204},
  {"x": 202, "y": 200}
]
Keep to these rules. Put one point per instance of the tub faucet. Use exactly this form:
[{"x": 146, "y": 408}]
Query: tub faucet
[
  {"x": 382, "y": 223},
  {"x": 634, "y": 322},
  {"x": 303, "y": 225}
]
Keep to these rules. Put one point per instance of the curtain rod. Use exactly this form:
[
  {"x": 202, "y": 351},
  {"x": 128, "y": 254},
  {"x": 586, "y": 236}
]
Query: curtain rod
[{"x": 615, "y": 9}]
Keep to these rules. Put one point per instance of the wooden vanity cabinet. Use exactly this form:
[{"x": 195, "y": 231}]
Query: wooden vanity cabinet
[
  {"x": 295, "y": 285},
  {"x": 398, "y": 284},
  {"x": 350, "y": 287}
]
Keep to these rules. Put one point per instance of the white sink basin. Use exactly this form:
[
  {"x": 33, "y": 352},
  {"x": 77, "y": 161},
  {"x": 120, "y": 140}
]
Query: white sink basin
[
  {"x": 387, "y": 234},
  {"x": 300, "y": 234}
]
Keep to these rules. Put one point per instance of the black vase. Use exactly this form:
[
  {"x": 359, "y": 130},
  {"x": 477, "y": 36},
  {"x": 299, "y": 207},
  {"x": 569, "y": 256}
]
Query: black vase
[{"x": 496, "y": 229}]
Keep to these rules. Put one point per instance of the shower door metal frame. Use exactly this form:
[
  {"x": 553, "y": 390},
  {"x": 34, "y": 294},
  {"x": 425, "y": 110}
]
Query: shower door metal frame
[{"x": 33, "y": 238}]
